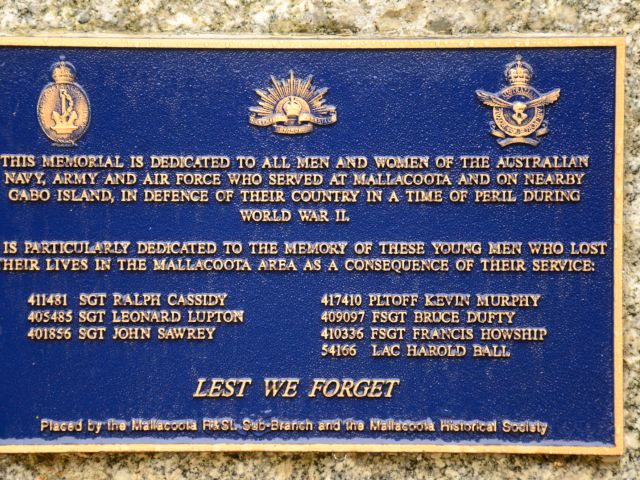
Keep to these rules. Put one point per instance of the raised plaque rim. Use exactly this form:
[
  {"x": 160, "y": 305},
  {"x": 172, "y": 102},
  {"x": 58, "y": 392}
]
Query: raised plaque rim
[{"x": 258, "y": 42}]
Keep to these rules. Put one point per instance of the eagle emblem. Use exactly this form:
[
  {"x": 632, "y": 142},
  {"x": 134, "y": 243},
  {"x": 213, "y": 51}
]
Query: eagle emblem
[{"x": 518, "y": 109}]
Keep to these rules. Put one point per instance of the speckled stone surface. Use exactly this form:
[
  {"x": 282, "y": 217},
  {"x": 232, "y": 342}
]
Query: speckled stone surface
[{"x": 364, "y": 17}]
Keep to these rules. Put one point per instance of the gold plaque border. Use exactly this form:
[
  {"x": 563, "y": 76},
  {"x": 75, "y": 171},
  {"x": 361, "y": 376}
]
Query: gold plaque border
[{"x": 346, "y": 43}]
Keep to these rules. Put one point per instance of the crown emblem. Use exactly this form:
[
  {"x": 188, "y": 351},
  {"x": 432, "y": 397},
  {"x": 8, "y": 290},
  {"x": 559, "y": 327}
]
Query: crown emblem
[
  {"x": 63, "y": 106},
  {"x": 292, "y": 106},
  {"x": 518, "y": 72},
  {"x": 63, "y": 72},
  {"x": 518, "y": 109}
]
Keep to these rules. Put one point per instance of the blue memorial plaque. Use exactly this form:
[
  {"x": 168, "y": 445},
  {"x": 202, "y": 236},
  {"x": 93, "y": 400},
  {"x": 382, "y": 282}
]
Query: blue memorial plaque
[{"x": 292, "y": 244}]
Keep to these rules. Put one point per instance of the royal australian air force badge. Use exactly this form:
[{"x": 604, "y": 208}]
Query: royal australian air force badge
[
  {"x": 63, "y": 107},
  {"x": 518, "y": 109}
]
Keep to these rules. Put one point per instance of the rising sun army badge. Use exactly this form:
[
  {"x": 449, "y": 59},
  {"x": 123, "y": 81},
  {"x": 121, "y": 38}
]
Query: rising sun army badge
[
  {"x": 63, "y": 107},
  {"x": 292, "y": 106},
  {"x": 518, "y": 109}
]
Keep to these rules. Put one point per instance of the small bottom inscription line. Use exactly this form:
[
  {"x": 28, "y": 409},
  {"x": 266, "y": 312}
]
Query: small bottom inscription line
[{"x": 261, "y": 426}]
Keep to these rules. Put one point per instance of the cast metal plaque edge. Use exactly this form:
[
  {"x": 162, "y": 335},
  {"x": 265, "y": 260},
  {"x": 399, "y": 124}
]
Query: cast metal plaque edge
[{"x": 334, "y": 42}]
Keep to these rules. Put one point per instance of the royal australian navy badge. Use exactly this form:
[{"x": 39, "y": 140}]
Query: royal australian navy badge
[
  {"x": 63, "y": 107},
  {"x": 292, "y": 106},
  {"x": 518, "y": 109}
]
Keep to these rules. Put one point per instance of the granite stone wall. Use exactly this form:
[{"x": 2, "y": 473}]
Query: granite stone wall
[{"x": 363, "y": 17}]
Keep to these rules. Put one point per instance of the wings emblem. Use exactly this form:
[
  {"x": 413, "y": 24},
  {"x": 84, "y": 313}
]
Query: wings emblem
[
  {"x": 518, "y": 109},
  {"x": 491, "y": 100}
]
